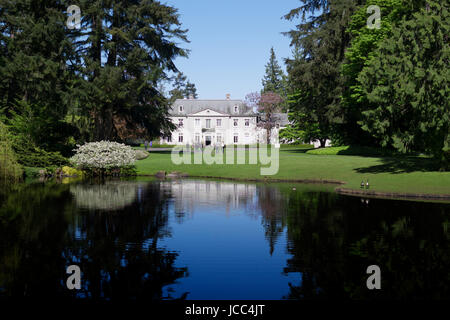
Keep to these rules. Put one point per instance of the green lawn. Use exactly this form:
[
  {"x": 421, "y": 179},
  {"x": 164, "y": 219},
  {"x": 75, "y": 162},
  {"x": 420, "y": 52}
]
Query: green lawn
[{"x": 385, "y": 174}]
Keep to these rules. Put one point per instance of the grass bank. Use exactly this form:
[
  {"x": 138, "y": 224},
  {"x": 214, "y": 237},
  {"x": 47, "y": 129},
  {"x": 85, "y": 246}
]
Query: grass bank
[{"x": 407, "y": 174}]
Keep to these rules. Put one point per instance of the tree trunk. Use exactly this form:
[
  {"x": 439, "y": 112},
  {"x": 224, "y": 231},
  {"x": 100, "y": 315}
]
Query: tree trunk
[
  {"x": 323, "y": 143},
  {"x": 104, "y": 125}
]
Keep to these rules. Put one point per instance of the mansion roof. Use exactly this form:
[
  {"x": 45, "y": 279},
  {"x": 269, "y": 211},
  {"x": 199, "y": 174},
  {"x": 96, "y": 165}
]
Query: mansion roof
[{"x": 226, "y": 107}]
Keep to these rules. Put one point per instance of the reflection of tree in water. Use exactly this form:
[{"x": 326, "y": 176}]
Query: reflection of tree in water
[
  {"x": 315, "y": 240},
  {"x": 110, "y": 195},
  {"x": 333, "y": 240},
  {"x": 271, "y": 204},
  {"x": 32, "y": 236},
  {"x": 42, "y": 232},
  {"x": 120, "y": 253}
]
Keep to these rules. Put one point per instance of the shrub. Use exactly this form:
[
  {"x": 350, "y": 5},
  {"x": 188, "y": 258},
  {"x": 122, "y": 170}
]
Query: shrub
[
  {"x": 33, "y": 172},
  {"x": 353, "y": 151},
  {"x": 68, "y": 171},
  {"x": 9, "y": 167},
  {"x": 104, "y": 158},
  {"x": 32, "y": 156}
]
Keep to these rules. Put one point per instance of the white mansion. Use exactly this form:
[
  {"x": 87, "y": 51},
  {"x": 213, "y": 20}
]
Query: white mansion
[{"x": 211, "y": 122}]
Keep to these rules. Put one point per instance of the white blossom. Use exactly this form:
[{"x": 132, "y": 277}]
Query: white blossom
[{"x": 103, "y": 155}]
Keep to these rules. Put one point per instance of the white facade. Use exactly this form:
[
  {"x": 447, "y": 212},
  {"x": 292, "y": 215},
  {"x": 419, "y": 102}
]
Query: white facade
[
  {"x": 211, "y": 122},
  {"x": 210, "y": 127}
]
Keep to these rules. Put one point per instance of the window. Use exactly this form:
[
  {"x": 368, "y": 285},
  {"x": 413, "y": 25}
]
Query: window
[
  {"x": 235, "y": 122},
  {"x": 247, "y": 122},
  {"x": 236, "y": 109},
  {"x": 278, "y": 125},
  {"x": 236, "y": 139},
  {"x": 197, "y": 138},
  {"x": 197, "y": 122},
  {"x": 219, "y": 122},
  {"x": 180, "y": 137},
  {"x": 181, "y": 108},
  {"x": 180, "y": 122},
  {"x": 219, "y": 138},
  {"x": 208, "y": 123}
]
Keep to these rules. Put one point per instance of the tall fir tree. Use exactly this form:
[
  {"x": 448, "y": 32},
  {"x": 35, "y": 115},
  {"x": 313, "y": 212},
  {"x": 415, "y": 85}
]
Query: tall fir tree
[
  {"x": 35, "y": 80},
  {"x": 127, "y": 48},
  {"x": 407, "y": 85},
  {"x": 363, "y": 47},
  {"x": 182, "y": 88},
  {"x": 274, "y": 78},
  {"x": 314, "y": 75}
]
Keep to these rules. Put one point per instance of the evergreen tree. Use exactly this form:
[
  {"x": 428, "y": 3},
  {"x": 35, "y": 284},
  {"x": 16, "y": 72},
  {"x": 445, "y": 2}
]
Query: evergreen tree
[
  {"x": 191, "y": 90},
  {"x": 34, "y": 78},
  {"x": 314, "y": 75},
  {"x": 274, "y": 79},
  {"x": 182, "y": 88},
  {"x": 127, "y": 47},
  {"x": 407, "y": 85},
  {"x": 363, "y": 47}
]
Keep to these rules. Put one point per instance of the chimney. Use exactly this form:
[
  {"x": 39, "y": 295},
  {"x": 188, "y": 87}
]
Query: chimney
[{"x": 228, "y": 96}]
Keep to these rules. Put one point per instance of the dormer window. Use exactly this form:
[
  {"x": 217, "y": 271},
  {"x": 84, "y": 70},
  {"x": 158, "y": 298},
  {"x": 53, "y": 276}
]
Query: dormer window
[
  {"x": 180, "y": 108},
  {"x": 236, "y": 109}
]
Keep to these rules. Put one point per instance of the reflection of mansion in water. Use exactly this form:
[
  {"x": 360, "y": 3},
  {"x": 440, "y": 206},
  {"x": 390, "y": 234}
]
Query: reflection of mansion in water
[
  {"x": 213, "y": 122},
  {"x": 188, "y": 194}
]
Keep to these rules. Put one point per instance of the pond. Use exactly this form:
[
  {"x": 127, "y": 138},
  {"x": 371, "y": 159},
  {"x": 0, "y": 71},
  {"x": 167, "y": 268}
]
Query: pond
[{"x": 205, "y": 239}]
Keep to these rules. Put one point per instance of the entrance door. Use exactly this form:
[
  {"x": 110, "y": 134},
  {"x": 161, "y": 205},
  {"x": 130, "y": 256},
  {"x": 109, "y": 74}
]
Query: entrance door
[{"x": 208, "y": 140}]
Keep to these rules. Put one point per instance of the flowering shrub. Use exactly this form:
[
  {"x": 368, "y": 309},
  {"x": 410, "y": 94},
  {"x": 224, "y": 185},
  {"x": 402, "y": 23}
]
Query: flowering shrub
[
  {"x": 104, "y": 157},
  {"x": 71, "y": 172}
]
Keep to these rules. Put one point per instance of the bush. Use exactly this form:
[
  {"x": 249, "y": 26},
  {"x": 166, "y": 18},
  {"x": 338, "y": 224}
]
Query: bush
[
  {"x": 33, "y": 172},
  {"x": 31, "y": 156},
  {"x": 104, "y": 158},
  {"x": 71, "y": 172},
  {"x": 9, "y": 167},
  {"x": 352, "y": 151}
]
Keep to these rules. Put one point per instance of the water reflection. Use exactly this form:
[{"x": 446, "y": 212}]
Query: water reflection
[
  {"x": 218, "y": 240},
  {"x": 110, "y": 195},
  {"x": 116, "y": 250}
]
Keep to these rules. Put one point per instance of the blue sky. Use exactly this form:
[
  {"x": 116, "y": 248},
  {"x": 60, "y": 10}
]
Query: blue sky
[{"x": 230, "y": 43}]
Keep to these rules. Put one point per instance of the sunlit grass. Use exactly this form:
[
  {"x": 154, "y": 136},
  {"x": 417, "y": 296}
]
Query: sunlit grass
[{"x": 388, "y": 174}]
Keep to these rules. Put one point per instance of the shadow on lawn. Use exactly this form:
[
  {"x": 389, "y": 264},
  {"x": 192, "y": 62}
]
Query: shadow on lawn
[{"x": 402, "y": 165}]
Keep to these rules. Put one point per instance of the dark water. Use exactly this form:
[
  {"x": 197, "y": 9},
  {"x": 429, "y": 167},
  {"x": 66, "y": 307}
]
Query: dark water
[{"x": 218, "y": 240}]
